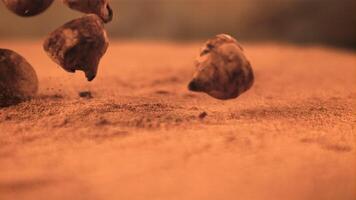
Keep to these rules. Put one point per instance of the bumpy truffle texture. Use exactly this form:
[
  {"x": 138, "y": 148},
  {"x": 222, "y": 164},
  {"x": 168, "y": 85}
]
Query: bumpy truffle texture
[
  {"x": 18, "y": 80},
  {"x": 223, "y": 71},
  {"x": 78, "y": 45},
  {"x": 27, "y": 8},
  {"x": 99, "y": 7}
]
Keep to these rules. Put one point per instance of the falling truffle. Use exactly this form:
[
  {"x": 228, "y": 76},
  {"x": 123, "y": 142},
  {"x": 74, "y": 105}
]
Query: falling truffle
[
  {"x": 78, "y": 45},
  {"x": 27, "y": 8},
  {"x": 223, "y": 71},
  {"x": 18, "y": 80},
  {"x": 98, "y": 7}
]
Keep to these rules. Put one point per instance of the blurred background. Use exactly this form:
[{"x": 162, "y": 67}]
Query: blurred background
[{"x": 322, "y": 22}]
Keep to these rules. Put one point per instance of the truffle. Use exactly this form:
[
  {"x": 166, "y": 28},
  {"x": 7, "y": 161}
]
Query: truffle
[
  {"x": 78, "y": 45},
  {"x": 223, "y": 71},
  {"x": 27, "y": 8},
  {"x": 98, "y": 7},
  {"x": 18, "y": 79}
]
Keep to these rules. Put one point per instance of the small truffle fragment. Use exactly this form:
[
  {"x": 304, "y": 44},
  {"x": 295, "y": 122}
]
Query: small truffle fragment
[
  {"x": 203, "y": 115},
  {"x": 18, "y": 80},
  {"x": 223, "y": 71},
  {"x": 78, "y": 45},
  {"x": 98, "y": 7},
  {"x": 27, "y": 8},
  {"x": 85, "y": 94}
]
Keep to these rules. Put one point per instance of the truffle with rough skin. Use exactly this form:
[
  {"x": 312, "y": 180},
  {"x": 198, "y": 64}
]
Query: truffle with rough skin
[
  {"x": 78, "y": 45},
  {"x": 27, "y": 8},
  {"x": 99, "y": 7},
  {"x": 18, "y": 80},
  {"x": 223, "y": 71}
]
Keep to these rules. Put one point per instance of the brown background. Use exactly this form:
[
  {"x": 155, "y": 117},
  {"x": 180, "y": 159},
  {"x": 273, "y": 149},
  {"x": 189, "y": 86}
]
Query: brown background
[{"x": 330, "y": 22}]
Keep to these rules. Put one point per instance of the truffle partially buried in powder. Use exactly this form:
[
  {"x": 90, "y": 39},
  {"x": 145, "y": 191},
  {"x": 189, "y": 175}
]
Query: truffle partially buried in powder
[{"x": 18, "y": 79}]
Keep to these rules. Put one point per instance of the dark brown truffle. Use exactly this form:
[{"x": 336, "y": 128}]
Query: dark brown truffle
[
  {"x": 223, "y": 71},
  {"x": 18, "y": 80},
  {"x": 98, "y": 7},
  {"x": 78, "y": 45},
  {"x": 27, "y": 8}
]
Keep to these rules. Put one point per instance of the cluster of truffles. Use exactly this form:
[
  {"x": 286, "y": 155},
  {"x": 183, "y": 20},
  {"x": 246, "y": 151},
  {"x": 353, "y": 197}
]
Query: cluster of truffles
[
  {"x": 77, "y": 45},
  {"x": 223, "y": 71},
  {"x": 80, "y": 43}
]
